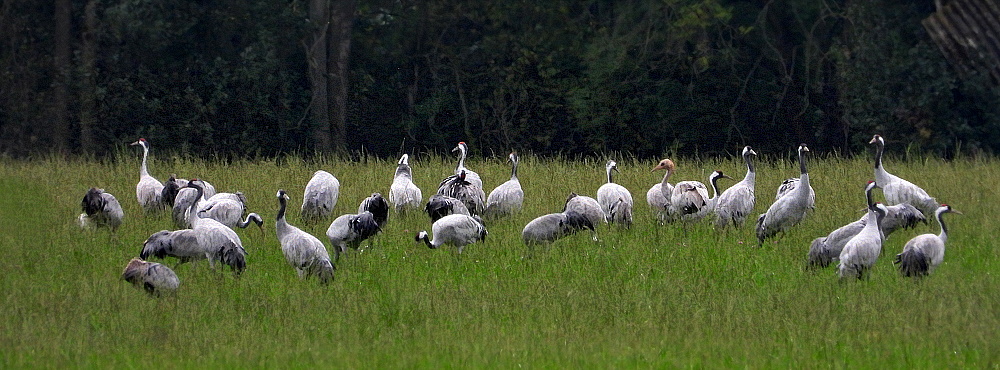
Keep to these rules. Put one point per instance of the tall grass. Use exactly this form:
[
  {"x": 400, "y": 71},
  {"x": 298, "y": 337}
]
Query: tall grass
[{"x": 646, "y": 296}]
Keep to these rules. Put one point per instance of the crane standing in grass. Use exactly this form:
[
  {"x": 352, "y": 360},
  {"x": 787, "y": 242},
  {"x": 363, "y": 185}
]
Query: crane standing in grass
[
  {"x": 403, "y": 193},
  {"x": 791, "y": 206},
  {"x": 102, "y": 209},
  {"x": 302, "y": 250},
  {"x": 350, "y": 230},
  {"x": 470, "y": 175},
  {"x": 689, "y": 200},
  {"x": 455, "y": 229},
  {"x": 507, "y": 198},
  {"x": 149, "y": 190},
  {"x": 861, "y": 252},
  {"x": 612, "y": 195},
  {"x": 458, "y": 187},
  {"x": 551, "y": 227},
  {"x": 896, "y": 189},
  {"x": 737, "y": 202},
  {"x": 922, "y": 254},
  {"x": 320, "y": 196},
  {"x": 658, "y": 196}
]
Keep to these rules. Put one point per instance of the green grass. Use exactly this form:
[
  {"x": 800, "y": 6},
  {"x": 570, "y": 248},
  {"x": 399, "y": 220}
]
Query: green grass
[{"x": 647, "y": 296}]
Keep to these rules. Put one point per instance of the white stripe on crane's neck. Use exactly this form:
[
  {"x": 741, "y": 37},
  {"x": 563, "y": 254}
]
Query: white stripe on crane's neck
[{"x": 610, "y": 167}]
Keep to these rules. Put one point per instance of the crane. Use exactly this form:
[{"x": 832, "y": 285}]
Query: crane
[
  {"x": 689, "y": 200},
  {"x": 790, "y": 207},
  {"x": 922, "y": 254},
  {"x": 149, "y": 190},
  {"x": 378, "y": 207},
  {"x": 302, "y": 250},
  {"x": 551, "y": 227},
  {"x": 658, "y": 196},
  {"x": 862, "y": 250},
  {"x": 896, "y": 189},
  {"x": 463, "y": 150},
  {"x": 156, "y": 279},
  {"x": 404, "y": 194},
  {"x": 737, "y": 202},
  {"x": 102, "y": 209},
  {"x": 454, "y": 229},
  {"x": 320, "y": 196},
  {"x": 611, "y": 194},
  {"x": 507, "y": 198},
  {"x": 350, "y": 230},
  {"x": 458, "y": 187},
  {"x": 442, "y": 205}
]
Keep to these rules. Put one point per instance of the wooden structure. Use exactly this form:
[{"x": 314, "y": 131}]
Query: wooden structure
[{"x": 968, "y": 34}]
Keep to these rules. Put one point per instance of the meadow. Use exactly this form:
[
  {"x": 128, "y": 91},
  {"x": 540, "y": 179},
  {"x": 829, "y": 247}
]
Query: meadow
[{"x": 650, "y": 296}]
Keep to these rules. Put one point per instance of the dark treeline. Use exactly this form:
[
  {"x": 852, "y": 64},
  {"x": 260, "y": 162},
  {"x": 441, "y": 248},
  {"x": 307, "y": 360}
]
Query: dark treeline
[{"x": 264, "y": 77}]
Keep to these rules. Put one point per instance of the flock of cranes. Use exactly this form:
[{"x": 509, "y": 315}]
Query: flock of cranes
[{"x": 206, "y": 219}]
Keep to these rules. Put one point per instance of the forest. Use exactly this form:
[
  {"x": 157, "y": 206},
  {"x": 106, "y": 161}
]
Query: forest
[{"x": 260, "y": 78}]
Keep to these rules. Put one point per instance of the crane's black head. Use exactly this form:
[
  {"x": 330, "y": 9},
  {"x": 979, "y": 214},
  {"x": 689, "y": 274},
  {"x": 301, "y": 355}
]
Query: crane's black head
[
  {"x": 577, "y": 221},
  {"x": 877, "y": 140}
]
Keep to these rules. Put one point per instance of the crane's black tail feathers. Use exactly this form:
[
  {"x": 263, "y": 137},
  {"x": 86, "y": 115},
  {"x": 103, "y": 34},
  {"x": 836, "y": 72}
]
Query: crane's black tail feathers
[
  {"x": 912, "y": 262},
  {"x": 819, "y": 254}
]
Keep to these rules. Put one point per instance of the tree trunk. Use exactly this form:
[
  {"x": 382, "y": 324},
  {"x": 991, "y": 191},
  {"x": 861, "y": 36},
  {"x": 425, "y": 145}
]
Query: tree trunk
[
  {"x": 61, "y": 65},
  {"x": 316, "y": 55},
  {"x": 338, "y": 67},
  {"x": 88, "y": 88}
]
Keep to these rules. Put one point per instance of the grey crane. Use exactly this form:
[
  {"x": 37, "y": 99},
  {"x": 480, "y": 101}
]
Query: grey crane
[
  {"x": 458, "y": 187},
  {"x": 861, "y": 252},
  {"x": 404, "y": 194},
  {"x": 206, "y": 239},
  {"x": 791, "y": 207},
  {"x": 350, "y": 230},
  {"x": 378, "y": 207},
  {"x": 463, "y": 150},
  {"x": 507, "y": 198},
  {"x": 689, "y": 200},
  {"x": 825, "y": 250},
  {"x": 658, "y": 196},
  {"x": 320, "y": 196},
  {"x": 454, "y": 229},
  {"x": 551, "y": 227},
  {"x": 156, "y": 279},
  {"x": 610, "y": 194},
  {"x": 737, "y": 202},
  {"x": 896, "y": 189},
  {"x": 186, "y": 198},
  {"x": 442, "y": 205},
  {"x": 922, "y": 254},
  {"x": 101, "y": 209},
  {"x": 302, "y": 250},
  {"x": 227, "y": 212},
  {"x": 149, "y": 190},
  {"x": 586, "y": 206}
]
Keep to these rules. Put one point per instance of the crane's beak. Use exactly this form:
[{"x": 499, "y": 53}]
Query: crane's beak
[
  {"x": 135, "y": 143},
  {"x": 954, "y": 211},
  {"x": 728, "y": 177}
]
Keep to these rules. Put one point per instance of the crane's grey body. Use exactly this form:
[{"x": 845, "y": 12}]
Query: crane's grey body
[
  {"x": 689, "y": 200},
  {"x": 471, "y": 176},
  {"x": 302, "y": 250},
  {"x": 378, "y": 207},
  {"x": 614, "y": 195},
  {"x": 922, "y": 254},
  {"x": 404, "y": 194},
  {"x": 458, "y": 187},
  {"x": 658, "y": 196},
  {"x": 896, "y": 189},
  {"x": 736, "y": 203},
  {"x": 862, "y": 250},
  {"x": 455, "y": 229},
  {"x": 442, "y": 205},
  {"x": 791, "y": 208},
  {"x": 320, "y": 196},
  {"x": 149, "y": 190},
  {"x": 826, "y": 250},
  {"x": 186, "y": 198},
  {"x": 586, "y": 206},
  {"x": 508, "y": 198},
  {"x": 228, "y": 208},
  {"x": 101, "y": 209},
  {"x": 156, "y": 279},
  {"x": 350, "y": 230},
  {"x": 551, "y": 227}
]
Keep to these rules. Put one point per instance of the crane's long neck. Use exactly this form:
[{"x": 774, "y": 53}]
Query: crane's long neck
[
  {"x": 751, "y": 171},
  {"x": 804, "y": 176},
  {"x": 461, "y": 159},
  {"x": 193, "y": 210},
  {"x": 879, "y": 148},
  {"x": 246, "y": 222},
  {"x": 610, "y": 180},
  {"x": 666, "y": 177},
  {"x": 715, "y": 186},
  {"x": 143, "y": 171},
  {"x": 868, "y": 197},
  {"x": 282, "y": 204},
  {"x": 944, "y": 229},
  {"x": 513, "y": 169},
  {"x": 404, "y": 170}
]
